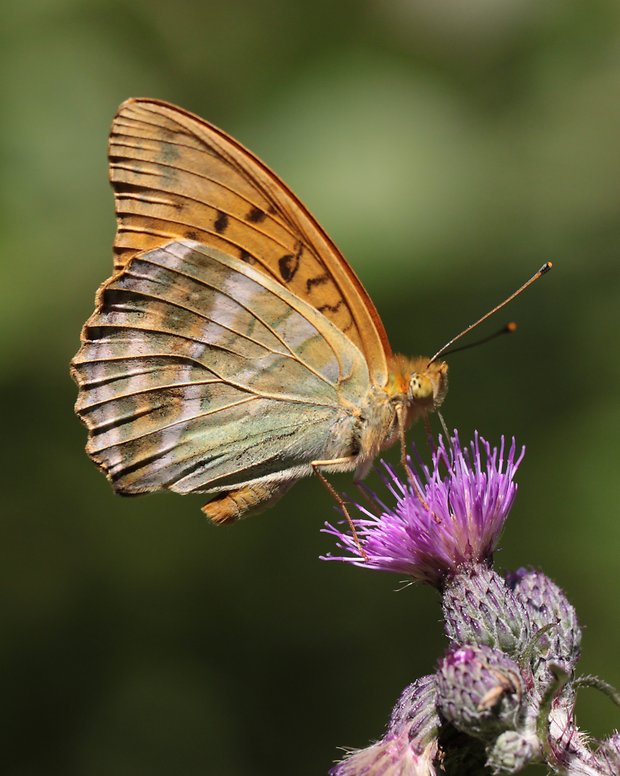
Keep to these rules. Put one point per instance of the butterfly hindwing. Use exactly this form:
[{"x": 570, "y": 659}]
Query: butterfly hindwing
[
  {"x": 175, "y": 176},
  {"x": 199, "y": 373}
]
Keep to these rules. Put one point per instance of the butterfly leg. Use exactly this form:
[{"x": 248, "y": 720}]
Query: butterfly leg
[
  {"x": 316, "y": 466},
  {"x": 230, "y": 505},
  {"x": 400, "y": 418}
]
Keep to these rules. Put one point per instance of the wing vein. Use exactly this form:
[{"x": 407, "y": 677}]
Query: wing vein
[
  {"x": 174, "y": 423},
  {"x": 283, "y": 222},
  {"x": 228, "y": 381},
  {"x": 205, "y": 317},
  {"x": 142, "y": 391},
  {"x": 251, "y": 312}
]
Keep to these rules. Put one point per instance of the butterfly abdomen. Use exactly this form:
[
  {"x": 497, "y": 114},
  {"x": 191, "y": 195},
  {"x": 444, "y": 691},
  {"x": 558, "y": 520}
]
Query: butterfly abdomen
[{"x": 231, "y": 505}]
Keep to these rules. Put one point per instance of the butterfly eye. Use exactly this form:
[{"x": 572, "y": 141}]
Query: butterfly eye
[{"x": 420, "y": 387}]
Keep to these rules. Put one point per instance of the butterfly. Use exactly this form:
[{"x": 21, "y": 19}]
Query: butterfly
[{"x": 233, "y": 350}]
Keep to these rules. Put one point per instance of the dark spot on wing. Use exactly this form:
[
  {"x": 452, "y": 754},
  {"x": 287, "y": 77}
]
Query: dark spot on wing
[
  {"x": 289, "y": 264},
  {"x": 247, "y": 257},
  {"x": 191, "y": 235},
  {"x": 206, "y": 399},
  {"x": 221, "y": 222},
  {"x": 287, "y": 267},
  {"x": 332, "y": 308},
  {"x": 169, "y": 151},
  {"x": 317, "y": 281},
  {"x": 256, "y": 215}
]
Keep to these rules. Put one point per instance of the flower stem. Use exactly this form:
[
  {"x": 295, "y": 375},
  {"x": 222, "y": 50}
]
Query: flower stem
[{"x": 588, "y": 680}]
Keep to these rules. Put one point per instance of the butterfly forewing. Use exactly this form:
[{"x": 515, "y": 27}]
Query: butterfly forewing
[
  {"x": 198, "y": 372},
  {"x": 175, "y": 176}
]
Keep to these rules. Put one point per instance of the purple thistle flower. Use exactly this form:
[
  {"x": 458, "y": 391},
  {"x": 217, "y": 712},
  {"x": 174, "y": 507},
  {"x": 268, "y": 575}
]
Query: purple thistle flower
[{"x": 452, "y": 514}]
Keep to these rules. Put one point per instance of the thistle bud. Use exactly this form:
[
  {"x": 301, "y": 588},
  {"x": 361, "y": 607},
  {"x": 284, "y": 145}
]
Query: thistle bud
[
  {"x": 547, "y": 607},
  {"x": 512, "y": 751},
  {"x": 479, "y": 609},
  {"x": 416, "y": 711},
  {"x": 479, "y": 690}
]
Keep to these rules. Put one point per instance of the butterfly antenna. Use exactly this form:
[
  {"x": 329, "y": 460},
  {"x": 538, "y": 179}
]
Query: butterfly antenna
[
  {"x": 542, "y": 271},
  {"x": 507, "y": 328}
]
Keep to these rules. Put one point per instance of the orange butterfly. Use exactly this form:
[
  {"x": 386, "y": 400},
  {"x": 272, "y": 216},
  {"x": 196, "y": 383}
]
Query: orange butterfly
[{"x": 234, "y": 350}]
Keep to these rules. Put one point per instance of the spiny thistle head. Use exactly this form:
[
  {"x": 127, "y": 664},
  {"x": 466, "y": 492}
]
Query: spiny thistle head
[
  {"x": 479, "y": 608},
  {"x": 445, "y": 515},
  {"x": 480, "y": 691},
  {"x": 552, "y": 615}
]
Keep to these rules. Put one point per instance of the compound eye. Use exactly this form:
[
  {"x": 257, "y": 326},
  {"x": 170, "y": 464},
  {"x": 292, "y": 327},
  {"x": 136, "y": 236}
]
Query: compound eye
[{"x": 420, "y": 387}]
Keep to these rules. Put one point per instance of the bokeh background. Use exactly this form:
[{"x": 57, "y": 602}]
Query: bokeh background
[{"x": 449, "y": 148}]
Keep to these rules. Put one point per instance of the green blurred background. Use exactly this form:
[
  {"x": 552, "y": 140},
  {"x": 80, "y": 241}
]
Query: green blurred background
[{"x": 449, "y": 148}]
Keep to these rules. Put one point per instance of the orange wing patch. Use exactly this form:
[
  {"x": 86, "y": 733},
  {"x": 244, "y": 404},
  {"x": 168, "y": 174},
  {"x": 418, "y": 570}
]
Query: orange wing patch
[{"x": 176, "y": 176}]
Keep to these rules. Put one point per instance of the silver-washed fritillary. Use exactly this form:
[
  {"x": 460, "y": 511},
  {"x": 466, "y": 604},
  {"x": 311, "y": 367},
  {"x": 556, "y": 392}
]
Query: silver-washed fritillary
[{"x": 233, "y": 351}]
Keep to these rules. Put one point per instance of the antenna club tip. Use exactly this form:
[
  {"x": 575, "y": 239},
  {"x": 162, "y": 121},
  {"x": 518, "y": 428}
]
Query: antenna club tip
[{"x": 511, "y": 326}]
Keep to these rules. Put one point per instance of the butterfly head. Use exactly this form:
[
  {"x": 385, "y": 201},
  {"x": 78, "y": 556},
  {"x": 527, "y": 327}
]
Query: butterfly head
[
  {"x": 429, "y": 384},
  {"x": 424, "y": 384}
]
